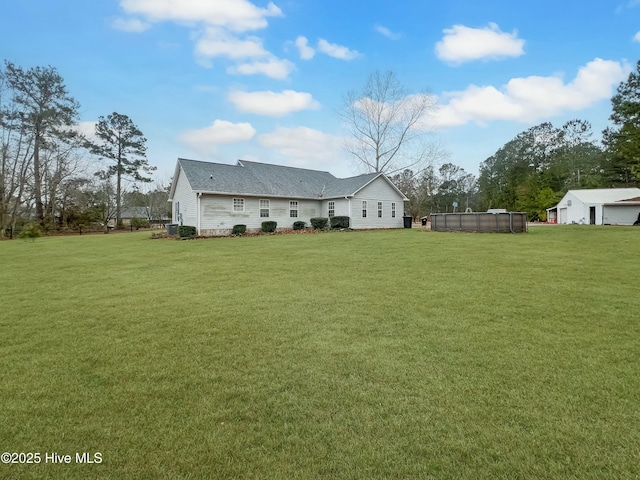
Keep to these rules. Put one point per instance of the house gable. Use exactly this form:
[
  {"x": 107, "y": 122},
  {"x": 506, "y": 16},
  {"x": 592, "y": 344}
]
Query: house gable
[
  {"x": 378, "y": 204},
  {"x": 183, "y": 199}
]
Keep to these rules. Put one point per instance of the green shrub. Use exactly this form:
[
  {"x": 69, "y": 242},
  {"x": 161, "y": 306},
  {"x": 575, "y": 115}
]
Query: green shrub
[
  {"x": 185, "y": 231},
  {"x": 238, "y": 230},
  {"x": 319, "y": 223},
  {"x": 299, "y": 225},
  {"x": 269, "y": 226},
  {"x": 140, "y": 223},
  {"x": 30, "y": 230},
  {"x": 339, "y": 222}
]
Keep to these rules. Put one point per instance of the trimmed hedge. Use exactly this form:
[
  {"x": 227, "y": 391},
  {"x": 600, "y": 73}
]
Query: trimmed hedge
[
  {"x": 269, "y": 226},
  {"x": 186, "y": 231},
  {"x": 239, "y": 230},
  {"x": 299, "y": 225},
  {"x": 137, "y": 223},
  {"x": 339, "y": 222},
  {"x": 319, "y": 223}
]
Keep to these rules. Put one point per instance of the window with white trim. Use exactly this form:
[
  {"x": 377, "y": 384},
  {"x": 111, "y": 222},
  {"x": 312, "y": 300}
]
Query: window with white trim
[
  {"x": 238, "y": 204},
  {"x": 379, "y": 209},
  {"x": 332, "y": 209},
  {"x": 293, "y": 208},
  {"x": 264, "y": 208},
  {"x": 364, "y": 208},
  {"x": 393, "y": 209}
]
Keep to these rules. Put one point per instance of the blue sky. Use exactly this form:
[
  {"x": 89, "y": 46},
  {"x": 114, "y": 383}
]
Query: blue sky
[{"x": 220, "y": 80}]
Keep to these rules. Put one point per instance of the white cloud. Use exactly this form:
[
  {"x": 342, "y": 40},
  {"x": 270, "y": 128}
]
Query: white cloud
[
  {"x": 272, "y": 103},
  {"x": 386, "y": 32},
  {"x": 306, "y": 52},
  {"x": 130, "y": 25},
  {"x": 628, "y": 5},
  {"x": 636, "y": 37},
  {"x": 217, "y": 27},
  {"x": 273, "y": 68},
  {"x": 532, "y": 98},
  {"x": 305, "y": 147},
  {"x": 220, "y": 132},
  {"x": 87, "y": 129},
  {"x": 336, "y": 51},
  {"x": 235, "y": 15},
  {"x": 462, "y": 44},
  {"x": 217, "y": 42}
]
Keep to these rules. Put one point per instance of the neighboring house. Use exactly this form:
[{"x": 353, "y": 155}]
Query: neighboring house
[
  {"x": 601, "y": 206},
  {"x": 213, "y": 197},
  {"x": 144, "y": 212}
]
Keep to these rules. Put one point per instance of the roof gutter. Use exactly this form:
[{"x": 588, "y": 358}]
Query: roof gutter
[{"x": 198, "y": 212}]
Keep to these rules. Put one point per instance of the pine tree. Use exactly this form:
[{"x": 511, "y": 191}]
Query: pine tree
[
  {"x": 122, "y": 143},
  {"x": 43, "y": 111},
  {"x": 622, "y": 141}
]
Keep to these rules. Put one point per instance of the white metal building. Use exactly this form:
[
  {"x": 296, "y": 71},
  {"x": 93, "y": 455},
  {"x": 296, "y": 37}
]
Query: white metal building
[{"x": 600, "y": 206}]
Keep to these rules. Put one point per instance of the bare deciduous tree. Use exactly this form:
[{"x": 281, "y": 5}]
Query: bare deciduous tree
[{"x": 388, "y": 126}]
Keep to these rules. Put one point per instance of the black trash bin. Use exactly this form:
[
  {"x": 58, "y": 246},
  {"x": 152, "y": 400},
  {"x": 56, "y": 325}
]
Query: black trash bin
[
  {"x": 172, "y": 229},
  {"x": 407, "y": 221}
]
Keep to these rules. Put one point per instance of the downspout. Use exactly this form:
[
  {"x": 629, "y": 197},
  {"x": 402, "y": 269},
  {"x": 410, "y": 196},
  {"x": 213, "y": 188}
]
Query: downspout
[
  {"x": 349, "y": 200},
  {"x": 198, "y": 212}
]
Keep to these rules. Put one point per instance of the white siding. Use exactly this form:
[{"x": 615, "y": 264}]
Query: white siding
[
  {"x": 342, "y": 207},
  {"x": 575, "y": 207},
  {"x": 621, "y": 214},
  {"x": 377, "y": 191},
  {"x": 562, "y": 215},
  {"x": 218, "y": 217},
  {"x": 574, "y": 210},
  {"x": 185, "y": 199}
]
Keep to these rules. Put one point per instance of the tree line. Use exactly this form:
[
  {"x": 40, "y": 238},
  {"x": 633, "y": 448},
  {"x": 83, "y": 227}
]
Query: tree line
[
  {"x": 54, "y": 176},
  {"x": 534, "y": 170}
]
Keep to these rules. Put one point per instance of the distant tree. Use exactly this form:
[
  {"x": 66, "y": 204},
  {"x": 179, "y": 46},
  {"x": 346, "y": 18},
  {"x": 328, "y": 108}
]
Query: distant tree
[
  {"x": 39, "y": 116},
  {"x": 74, "y": 202},
  {"x": 435, "y": 192},
  {"x": 455, "y": 185},
  {"x": 15, "y": 155},
  {"x": 407, "y": 182},
  {"x": 387, "y": 126},
  {"x": 122, "y": 143},
  {"x": 102, "y": 204},
  {"x": 518, "y": 169},
  {"x": 579, "y": 162},
  {"x": 533, "y": 170},
  {"x": 622, "y": 140},
  {"x": 449, "y": 189},
  {"x": 158, "y": 202},
  {"x": 154, "y": 200},
  {"x": 426, "y": 191}
]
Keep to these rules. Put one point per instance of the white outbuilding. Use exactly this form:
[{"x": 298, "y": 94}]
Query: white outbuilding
[{"x": 599, "y": 206}]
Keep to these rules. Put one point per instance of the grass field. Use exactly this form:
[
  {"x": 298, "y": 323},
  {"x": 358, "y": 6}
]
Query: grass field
[{"x": 383, "y": 354}]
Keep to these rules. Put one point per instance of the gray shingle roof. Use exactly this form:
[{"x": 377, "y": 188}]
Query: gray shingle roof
[{"x": 253, "y": 178}]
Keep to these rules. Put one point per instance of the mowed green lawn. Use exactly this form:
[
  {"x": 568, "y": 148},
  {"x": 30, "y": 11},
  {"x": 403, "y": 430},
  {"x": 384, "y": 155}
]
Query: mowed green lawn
[{"x": 382, "y": 354}]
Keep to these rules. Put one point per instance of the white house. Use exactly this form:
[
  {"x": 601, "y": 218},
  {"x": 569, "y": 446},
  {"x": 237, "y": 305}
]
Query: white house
[
  {"x": 214, "y": 197},
  {"x": 601, "y": 206}
]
